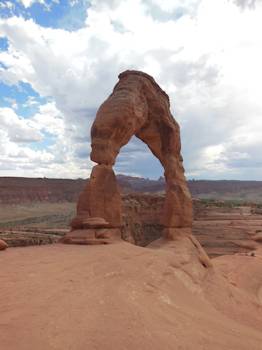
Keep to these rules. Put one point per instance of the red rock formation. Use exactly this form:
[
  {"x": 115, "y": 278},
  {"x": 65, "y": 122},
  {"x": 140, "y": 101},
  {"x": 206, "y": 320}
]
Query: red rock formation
[
  {"x": 137, "y": 106},
  {"x": 3, "y": 245},
  {"x": 100, "y": 198},
  {"x": 220, "y": 230}
]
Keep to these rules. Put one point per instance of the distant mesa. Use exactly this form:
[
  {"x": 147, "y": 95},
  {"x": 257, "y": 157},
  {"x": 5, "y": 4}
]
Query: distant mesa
[{"x": 137, "y": 106}]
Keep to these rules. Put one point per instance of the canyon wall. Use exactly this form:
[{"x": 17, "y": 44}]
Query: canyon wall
[
  {"x": 219, "y": 228},
  {"x": 19, "y": 190}
]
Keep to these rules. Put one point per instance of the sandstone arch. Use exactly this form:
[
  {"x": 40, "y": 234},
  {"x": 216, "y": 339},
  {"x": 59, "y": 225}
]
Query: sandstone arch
[{"x": 137, "y": 106}]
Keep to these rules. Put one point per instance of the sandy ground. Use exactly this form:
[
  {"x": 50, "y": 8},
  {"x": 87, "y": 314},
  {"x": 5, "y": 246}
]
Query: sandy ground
[{"x": 122, "y": 296}]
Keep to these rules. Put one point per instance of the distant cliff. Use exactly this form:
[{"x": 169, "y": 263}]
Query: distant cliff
[{"x": 18, "y": 190}]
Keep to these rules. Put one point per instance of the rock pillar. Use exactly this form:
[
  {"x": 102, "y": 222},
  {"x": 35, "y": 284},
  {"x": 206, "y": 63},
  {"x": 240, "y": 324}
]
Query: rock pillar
[{"x": 98, "y": 218}]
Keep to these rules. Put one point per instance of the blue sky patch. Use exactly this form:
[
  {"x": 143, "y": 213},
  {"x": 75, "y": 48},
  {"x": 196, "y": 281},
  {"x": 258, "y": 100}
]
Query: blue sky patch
[
  {"x": 3, "y": 44},
  {"x": 47, "y": 141},
  {"x": 23, "y": 95},
  {"x": 68, "y": 15}
]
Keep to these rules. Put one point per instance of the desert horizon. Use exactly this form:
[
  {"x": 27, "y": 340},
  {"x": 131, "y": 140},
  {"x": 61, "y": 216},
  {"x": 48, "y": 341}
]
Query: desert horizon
[{"x": 130, "y": 175}]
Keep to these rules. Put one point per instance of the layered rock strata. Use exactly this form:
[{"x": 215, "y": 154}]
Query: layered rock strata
[{"x": 220, "y": 230}]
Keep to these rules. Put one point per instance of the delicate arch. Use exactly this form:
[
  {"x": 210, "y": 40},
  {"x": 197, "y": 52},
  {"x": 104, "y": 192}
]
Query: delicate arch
[{"x": 137, "y": 106}]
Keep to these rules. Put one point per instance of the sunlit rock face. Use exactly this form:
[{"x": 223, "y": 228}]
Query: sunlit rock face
[
  {"x": 3, "y": 245},
  {"x": 137, "y": 106}
]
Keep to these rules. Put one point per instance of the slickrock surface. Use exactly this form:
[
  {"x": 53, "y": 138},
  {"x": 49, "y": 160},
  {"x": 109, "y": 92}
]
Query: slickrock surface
[{"x": 121, "y": 296}]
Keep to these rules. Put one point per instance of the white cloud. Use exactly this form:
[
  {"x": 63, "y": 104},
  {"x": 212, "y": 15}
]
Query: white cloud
[
  {"x": 171, "y": 9},
  {"x": 49, "y": 119},
  {"x": 29, "y": 3},
  {"x": 246, "y": 3},
  {"x": 17, "y": 155},
  {"x": 18, "y": 129},
  {"x": 12, "y": 102},
  {"x": 207, "y": 55},
  {"x": 31, "y": 101}
]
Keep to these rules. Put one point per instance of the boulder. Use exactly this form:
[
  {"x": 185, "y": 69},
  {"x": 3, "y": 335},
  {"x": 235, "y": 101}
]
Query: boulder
[{"x": 3, "y": 245}]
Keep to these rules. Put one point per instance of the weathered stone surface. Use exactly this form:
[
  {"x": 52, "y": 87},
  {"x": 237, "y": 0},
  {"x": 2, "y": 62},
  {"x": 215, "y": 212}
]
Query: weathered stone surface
[
  {"x": 3, "y": 245},
  {"x": 95, "y": 223},
  {"x": 173, "y": 233},
  {"x": 137, "y": 106},
  {"x": 142, "y": 215},
  {"x": 100, "y": 198},
  {"x": 92, "y": 236},
  {"x": 258, "y": 237},
  {"x": 177, "y": 207},
  {"x": 220, "y": 230}
]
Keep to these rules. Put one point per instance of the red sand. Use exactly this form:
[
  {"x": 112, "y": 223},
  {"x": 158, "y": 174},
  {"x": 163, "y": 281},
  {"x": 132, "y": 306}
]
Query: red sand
[{"x": 122, "y": 296}]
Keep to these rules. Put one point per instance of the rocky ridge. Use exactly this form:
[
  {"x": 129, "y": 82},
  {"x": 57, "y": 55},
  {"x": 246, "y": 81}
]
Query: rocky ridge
[{"x": 19, "y": 190}]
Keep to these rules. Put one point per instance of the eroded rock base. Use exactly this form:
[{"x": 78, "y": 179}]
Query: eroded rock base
[
  {"x": 92, "y": 236},
  {"x": 94, "y": 230},
  {"x": 100, "y": 199},
  {"x": 3, "y": 245}
]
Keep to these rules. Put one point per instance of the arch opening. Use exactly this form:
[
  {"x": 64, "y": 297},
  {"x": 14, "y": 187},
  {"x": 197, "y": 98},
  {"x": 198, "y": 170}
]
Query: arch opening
[
  {"x": 136, "y": 159},
  {"x": 142, "y": 195}
]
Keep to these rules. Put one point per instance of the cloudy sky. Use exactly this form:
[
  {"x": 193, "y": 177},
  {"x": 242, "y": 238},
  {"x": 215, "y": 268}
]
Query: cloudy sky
[{"x": 59, "y": 59}]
